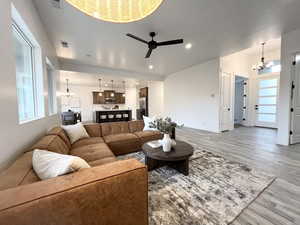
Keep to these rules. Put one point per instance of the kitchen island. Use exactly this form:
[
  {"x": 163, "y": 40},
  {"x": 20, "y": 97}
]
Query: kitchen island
[{"x": 114, "y": 115}]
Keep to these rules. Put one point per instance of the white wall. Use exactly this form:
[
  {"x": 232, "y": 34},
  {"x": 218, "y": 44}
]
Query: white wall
[
  {"x": 15, "y": 138},
  {"x": 156, "y": 98},
  {"x": 289, "y": 47},
  {"x": 191, "y": 96},
  {"x": 83, "y": 101},
  {"x": 237, "y": 64},
  {"x": 131, "y": 100}
]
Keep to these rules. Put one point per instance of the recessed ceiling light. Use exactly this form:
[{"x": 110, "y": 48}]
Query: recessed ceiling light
[
  {"x": 188, "y": 46},
  {"x": 105, "y": 85},
  {"x": 150, "y": 67}
]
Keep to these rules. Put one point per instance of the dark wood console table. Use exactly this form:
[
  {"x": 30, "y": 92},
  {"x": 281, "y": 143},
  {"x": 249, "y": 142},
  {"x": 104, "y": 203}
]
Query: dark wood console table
[{"x": 113, "y": 116}]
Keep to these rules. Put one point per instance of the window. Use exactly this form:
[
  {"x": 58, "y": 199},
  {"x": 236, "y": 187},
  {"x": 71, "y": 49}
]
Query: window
[
  {"x": 29, "y": 76},
  {"x": 51, "y": 88}
]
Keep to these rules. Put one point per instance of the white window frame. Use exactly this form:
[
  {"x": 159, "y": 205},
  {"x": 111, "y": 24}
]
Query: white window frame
[
  {"x": 19, "y": 26},
  {"x": 51, "y": 82}
]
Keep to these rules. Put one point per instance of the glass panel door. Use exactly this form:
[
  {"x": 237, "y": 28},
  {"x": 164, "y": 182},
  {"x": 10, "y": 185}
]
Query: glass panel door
[{"x": 266, "y": 104}]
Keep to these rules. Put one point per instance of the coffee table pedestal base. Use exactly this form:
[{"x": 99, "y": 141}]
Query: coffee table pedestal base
[{"x": 181, "y": 166}]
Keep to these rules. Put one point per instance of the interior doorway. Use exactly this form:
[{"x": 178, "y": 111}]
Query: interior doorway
[
  {"x": 295, "y": 107},
  {"x": 240, "y": 101}
]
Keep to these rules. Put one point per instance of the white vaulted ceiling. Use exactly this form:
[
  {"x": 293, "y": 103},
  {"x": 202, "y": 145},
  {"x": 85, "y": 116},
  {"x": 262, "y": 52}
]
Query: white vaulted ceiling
[{"x": 214, "y": 27}]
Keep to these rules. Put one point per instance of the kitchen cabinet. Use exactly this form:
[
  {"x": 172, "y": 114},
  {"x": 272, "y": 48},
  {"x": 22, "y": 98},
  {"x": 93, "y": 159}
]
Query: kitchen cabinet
[
  {"x": 143, "y": 92},
  {"x": 120, "y": 99},
  {"x": 106, "y": 98},
  {"x": 97, "y": 99}
]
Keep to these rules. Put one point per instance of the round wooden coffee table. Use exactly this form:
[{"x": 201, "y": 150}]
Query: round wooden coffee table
[{"x": 178, "y": 158}]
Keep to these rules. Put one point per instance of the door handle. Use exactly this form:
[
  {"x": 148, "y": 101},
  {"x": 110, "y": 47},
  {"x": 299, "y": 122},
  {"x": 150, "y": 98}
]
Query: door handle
[{"x": 256, "y": 107}]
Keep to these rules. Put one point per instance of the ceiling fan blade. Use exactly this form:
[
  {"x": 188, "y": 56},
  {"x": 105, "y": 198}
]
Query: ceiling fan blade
[
  {"x": 173, "y": 42},
  {"x": 148, "y": 53},
  {"x": 137, "y": 38}
]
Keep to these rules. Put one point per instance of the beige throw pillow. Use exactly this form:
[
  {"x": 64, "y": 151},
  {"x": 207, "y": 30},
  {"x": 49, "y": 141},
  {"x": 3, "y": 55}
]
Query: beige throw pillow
[
  {"x": 48, "y": 164},
  {"x": 75, "y": 132}
]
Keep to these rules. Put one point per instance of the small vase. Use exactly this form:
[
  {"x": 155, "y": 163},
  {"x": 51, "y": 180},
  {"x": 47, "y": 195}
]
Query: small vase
[{"x": 166, "y": 143}]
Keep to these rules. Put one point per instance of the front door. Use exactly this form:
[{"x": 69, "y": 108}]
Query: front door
[{"x": 266, "y": 101}]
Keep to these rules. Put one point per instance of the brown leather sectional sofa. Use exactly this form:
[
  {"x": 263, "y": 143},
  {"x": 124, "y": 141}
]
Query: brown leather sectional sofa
[{"x": 112, "y": 192}]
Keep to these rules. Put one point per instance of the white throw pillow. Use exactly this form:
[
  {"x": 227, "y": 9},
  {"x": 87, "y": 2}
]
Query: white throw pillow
[
  {"x": 147, "y": 121},
  {"x": 76, "y": 132},
  {"x": 48, "y": 164}
]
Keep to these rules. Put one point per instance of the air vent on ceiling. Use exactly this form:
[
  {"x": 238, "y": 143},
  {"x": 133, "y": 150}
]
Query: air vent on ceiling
[
  {"x": 56, "y": 4},
  {"x": 64, "y": 44}
]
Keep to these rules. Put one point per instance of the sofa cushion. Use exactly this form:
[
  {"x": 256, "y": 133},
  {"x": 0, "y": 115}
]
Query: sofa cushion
[
  {"x": 87, "y": 141},
  {"x": 94, "y": 130},
  {"x": 30, "y": 178},
  {"x": 92, "y": 152},
  {"x": 114, "y": 128},
  {"x": 136, "y": 126},
  {"x": 146, "y": 136},
  {"x": 19, "y": 173},
  {"x": 61, "y": 133},
  {"x": 119, "y": 137},
  {"x": 52, "y": 143},
  {"x": 123, "y": 143},
  {"x": 100, "y": 162}
]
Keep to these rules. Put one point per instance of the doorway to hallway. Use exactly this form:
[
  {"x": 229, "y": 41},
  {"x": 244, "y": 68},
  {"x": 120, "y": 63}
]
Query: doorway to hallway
[{"x": 240, "y": 100}]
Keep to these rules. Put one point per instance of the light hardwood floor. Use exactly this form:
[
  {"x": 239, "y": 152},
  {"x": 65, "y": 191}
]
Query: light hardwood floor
[{"x": 280, "y": 203}]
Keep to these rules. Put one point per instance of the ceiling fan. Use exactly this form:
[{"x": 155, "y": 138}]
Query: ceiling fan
[{"x": 153, "y": 44}]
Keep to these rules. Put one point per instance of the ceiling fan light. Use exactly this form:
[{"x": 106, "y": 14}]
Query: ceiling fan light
[
  {"x": 123, "y": 11},
  {"x": 188, "y": 46}
]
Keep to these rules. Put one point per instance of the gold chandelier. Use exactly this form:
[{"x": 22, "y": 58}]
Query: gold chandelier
[{"x": 117, "y": 11}]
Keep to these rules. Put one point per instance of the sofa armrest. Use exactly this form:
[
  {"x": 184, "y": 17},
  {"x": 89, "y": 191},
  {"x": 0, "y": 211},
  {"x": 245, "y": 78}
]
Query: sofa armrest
[{"x": 111, "y": 194}]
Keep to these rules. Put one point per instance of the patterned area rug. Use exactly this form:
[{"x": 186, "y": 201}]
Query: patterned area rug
[{"x": 215, "y": 192}]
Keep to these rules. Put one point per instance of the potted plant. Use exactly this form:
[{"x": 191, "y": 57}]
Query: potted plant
[{"x": 166, "y": 126}]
